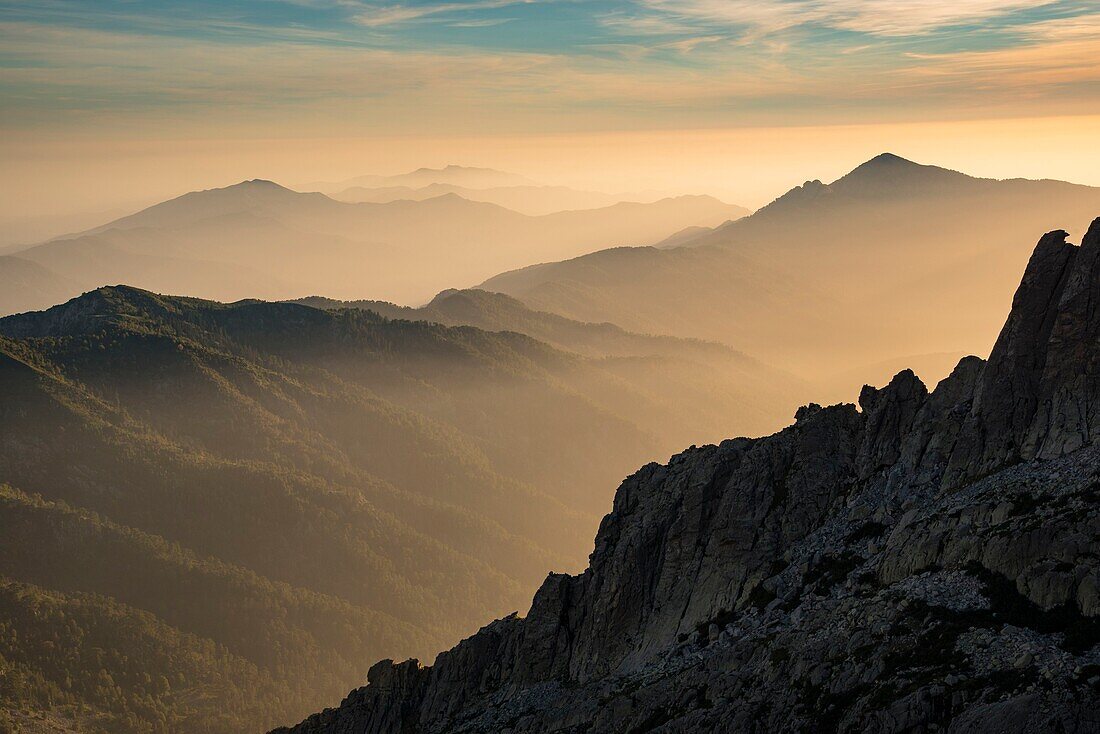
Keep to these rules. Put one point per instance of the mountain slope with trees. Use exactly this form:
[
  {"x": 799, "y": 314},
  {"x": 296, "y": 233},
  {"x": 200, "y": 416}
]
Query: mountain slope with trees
[{"x": 271, "y": 483}]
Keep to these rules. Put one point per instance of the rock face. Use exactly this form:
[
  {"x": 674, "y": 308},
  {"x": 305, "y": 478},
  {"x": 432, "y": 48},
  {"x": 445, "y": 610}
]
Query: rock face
[{"x": 928, "y": 562}]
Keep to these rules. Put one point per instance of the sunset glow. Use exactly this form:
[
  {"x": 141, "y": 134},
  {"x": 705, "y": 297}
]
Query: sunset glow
[{"x": 700, "y": 91}]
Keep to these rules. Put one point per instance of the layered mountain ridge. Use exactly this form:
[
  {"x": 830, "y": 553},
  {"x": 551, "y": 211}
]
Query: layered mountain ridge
[
  {"x": 451, "y": 174},
  {"x": 243, "y": 501},
  {"x": 498, "y": 312},
  {"x": 893, "y": 259},
  {"x": 257, "y": 239},
  {"x": 926, "y": 562}
]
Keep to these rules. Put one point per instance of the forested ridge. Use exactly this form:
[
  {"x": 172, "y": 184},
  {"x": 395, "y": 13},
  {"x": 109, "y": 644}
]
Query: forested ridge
[{"x": 275, "y": 494}]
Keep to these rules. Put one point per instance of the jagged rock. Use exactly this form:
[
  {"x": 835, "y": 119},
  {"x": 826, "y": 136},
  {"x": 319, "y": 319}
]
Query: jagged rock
[
  {"x": 889, "y": 415},
  {"x": 389, "y": 702},
  {"x": 1037, "y": 397},
  {"x": 927, "y": 563}
]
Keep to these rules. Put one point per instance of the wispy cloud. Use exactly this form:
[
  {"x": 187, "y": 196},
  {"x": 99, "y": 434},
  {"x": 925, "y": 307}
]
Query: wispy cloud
[
  {"x": 687, "y": 45},
  {"x": 1034, "y": 71},
  {"x": 877, "y": 17},
  {"x": 373, "y": 65},
  {"x": 484, "y": 23},
  {"x": 646, "y": 24},
  {"x": 1062, "y": 29},
  {"x": 384, "y": 15}
]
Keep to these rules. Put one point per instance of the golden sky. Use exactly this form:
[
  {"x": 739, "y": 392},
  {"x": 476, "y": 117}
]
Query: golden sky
[{"x": 127, "y": 103}]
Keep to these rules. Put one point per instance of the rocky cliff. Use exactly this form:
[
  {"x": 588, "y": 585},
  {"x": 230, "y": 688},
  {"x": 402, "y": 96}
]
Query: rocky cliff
[{"x": 928, "y": 561}]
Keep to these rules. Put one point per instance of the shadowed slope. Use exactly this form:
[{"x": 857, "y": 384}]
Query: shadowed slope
[{"x": 295, "y": 489}]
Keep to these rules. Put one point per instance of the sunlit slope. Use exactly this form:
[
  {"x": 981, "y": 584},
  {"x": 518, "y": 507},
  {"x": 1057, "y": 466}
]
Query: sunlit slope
[
  {"x": 893, "y": 259},
  {"x": 259, "y": 240},
  {"x": 685, "y": 390}
]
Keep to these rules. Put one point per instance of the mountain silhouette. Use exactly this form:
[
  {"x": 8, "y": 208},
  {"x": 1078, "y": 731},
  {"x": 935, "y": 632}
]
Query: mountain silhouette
[
  {"x": 892, "y": 259},
  {"x": 470, "y": 177},
  {"x": 258, "y": 239}
]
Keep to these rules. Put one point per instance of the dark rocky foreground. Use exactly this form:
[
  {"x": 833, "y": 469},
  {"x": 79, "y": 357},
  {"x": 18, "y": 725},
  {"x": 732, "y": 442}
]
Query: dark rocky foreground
[{"x": 927, "y": 562}]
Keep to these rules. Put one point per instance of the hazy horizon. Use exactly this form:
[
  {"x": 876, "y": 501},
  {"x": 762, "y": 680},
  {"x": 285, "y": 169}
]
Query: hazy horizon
[
  {"x": 333, "y": 330},
  {"x": 744, "y": 166},
  {"x": 127, "y": 105}
]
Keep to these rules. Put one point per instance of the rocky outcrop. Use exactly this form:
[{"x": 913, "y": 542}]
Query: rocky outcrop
[
  {"x": 1037, "y": 397},
  {"x": 927, "y": 562}
]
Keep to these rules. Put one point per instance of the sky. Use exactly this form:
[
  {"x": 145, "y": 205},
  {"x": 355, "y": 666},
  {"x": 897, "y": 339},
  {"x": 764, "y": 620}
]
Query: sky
[{"x": 107, "y": 102}]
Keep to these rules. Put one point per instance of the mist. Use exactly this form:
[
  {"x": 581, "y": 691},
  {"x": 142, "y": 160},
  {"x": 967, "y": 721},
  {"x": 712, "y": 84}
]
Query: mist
[{"x": 410, "y": 367}]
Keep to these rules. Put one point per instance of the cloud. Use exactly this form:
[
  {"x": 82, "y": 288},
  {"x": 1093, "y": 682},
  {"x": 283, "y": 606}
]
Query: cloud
[
  {"x": 1026, "y": 72},
  {"x": 645, "y": 25},
  {"x": 1063, "y": 29},
  {"x": 687, "y": 45},
  {"x": 485, "y": 23},
  {"x": 627, "y": 71},
  {"x": 875, "y": 17},
  {"x": 64, "y": 69},
  {"x": 378, "y": 16}
]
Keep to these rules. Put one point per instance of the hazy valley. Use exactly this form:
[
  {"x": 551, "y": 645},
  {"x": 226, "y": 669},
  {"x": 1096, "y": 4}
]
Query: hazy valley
[
  {"x": 279, "y": 483},
  {"x": 257, "y": 239},
  {"x": 892, "y": 261},
  {"x": 542, "y": 367},
  {"x": 217, "y": 515}
]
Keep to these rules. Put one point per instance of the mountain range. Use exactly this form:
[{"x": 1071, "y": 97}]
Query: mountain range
[
  {"x": 257, "y": 239},
  {"x": 508, "y": 190},
  {"x": 261, "y": 495},
  {"x": 530, "y": 200},
  {"x": 677, "y": 390},
  {"x": 498, "y": 312},
  {"x": 894, "y": 263},
  {"x": 468, "y": 177},
  {"x": 213, "y": 515},
  {"x": 891, "y": 260},
  {"x": 925, "y": 562}
]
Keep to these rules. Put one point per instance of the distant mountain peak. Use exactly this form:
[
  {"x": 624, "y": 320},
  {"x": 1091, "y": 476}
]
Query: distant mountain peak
[
  {"x": 450, "y": 175},
  {"x": 887, "y": 169},
  {"x": 257, "y": 183},
  {"x": 889, "y": 159},
  {"x": 248, "y": 187},
  {"x": 454, "y": 167},
  {"x": 887, "y": 164},
  {"x": 465, "y": 295}
]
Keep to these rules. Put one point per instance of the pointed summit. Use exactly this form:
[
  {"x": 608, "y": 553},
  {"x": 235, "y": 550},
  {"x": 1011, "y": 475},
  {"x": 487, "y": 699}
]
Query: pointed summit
[
  {"x": 889, "y": 174},
  {"x": 888, "y": 159},
  {"x": 887, "y": 164},
  {"x": 885, "y": 176}
]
